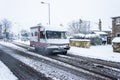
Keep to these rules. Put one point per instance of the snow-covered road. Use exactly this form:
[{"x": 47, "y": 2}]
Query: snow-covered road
[
  {"x": 49, "y": 71},
  {"x": 103, "y": 52}
]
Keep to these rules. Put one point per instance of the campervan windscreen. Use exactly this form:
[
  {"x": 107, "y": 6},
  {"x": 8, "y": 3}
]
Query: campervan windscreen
[{"x": 55, "y": 35}]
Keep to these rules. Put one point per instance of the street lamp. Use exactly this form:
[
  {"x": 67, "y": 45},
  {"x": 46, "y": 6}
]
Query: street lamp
[{"x": 48, "y": 10}]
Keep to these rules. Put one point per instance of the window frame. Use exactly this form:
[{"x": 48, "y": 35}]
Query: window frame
[
  {"x": 118, "y": 21},
  {"x": 36, "y": 33},
  {"x": 118, "y": 34}
]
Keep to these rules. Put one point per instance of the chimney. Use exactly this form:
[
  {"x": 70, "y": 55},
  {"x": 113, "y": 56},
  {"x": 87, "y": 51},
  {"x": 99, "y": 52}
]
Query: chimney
[{"x": 100, "y": 25}]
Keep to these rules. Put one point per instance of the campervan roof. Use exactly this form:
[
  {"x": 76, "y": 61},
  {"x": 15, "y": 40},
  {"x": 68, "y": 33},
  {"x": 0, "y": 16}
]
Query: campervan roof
[
  {"x": 55, "y": 28},
  {"x": 51, "y": 28}
]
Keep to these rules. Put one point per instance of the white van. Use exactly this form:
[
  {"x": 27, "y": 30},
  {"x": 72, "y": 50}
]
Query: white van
[{"x": 49, "y": 40}]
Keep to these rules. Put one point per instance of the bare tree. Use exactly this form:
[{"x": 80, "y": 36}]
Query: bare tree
[
  {"x": 6, "y": 25},
  {"x": 24, "y": 35},
  {"x": 80, "y": 26}
]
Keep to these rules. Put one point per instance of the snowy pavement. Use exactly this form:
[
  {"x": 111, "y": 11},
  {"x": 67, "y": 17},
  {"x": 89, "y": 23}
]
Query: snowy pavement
[
  {"x": 103, "y": 52},
  {"x": 5, "y": 73}
]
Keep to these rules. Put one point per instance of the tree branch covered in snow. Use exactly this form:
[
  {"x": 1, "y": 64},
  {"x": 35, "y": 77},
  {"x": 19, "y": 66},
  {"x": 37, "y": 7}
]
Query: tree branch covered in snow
[
  {"x": 80, "y": 26},
  {"x": 6, "y": 25}
]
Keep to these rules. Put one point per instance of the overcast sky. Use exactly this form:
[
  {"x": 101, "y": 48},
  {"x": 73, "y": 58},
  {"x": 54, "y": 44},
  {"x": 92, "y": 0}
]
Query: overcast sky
[{"x": 27, "y": 13}]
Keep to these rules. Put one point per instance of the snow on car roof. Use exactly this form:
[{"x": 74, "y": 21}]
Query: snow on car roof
[
  {"x": 86, "y": 36},
  {"x": 79, "y": 34},
  {"x": 116, "y": 40},
  {"x": 91, "y": 35},
  {"x": 100, "y": 32}
]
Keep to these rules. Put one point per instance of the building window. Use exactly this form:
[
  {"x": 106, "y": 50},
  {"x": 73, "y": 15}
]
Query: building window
[
  {"x": 35, "y": 33},
  {"x": 118, "y": 35},
  {"x": 118, "y": 21}
]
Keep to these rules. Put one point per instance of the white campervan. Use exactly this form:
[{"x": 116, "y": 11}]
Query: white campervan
[{"x": 47, "y": 39}]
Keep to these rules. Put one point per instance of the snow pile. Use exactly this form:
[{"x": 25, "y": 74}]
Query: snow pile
[
  {"x": 5, "y": 73},
  {"x": 116, "y": 40}
]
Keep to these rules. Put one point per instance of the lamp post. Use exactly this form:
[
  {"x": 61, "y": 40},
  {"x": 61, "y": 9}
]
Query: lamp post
[{"x": 48, "y": 10}]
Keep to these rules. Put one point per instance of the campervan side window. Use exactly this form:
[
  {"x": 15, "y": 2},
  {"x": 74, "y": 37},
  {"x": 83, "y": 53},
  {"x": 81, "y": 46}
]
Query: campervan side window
[
  {"x": 42, "y": 35},
  {"x": 35, "y": 33},
  {"x": 31, "y": 34}
]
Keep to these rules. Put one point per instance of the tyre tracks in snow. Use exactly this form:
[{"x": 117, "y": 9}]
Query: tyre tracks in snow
[
  {"x": 86, "y": 66},
  {"x": 19, "y": 69}
]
